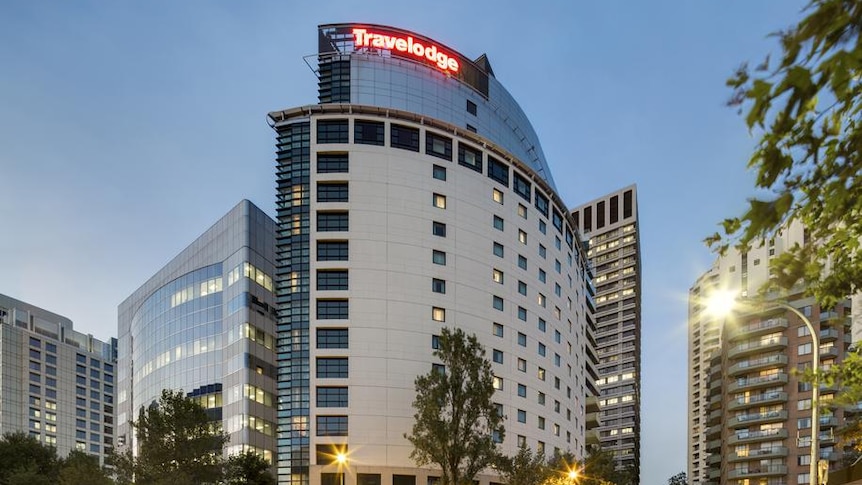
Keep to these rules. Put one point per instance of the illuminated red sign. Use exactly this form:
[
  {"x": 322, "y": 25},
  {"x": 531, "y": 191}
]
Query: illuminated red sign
[{"x": 364, "y": 38}]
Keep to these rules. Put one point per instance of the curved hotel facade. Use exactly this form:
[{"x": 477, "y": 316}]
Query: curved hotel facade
[{"x": 415, "y": 196}]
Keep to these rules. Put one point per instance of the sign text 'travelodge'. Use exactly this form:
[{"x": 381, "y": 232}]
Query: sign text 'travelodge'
[{"x": 363, "y": 38}]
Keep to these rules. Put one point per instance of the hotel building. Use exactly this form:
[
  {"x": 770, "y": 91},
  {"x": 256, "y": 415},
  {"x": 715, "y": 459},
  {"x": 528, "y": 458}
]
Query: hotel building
[
  {"x": 749, "y": 412},
  {"x": 412, "y": 197},
  {"x": 56, "y": 384},
  {"x": 610, "y": 226},
  {"x": 205, "y": 324}
]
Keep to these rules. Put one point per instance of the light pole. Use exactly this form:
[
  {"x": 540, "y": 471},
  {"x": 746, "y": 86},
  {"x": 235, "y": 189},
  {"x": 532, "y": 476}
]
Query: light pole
[
  {"x": 341, "y": 460},
  {"x": 723, "y": 303}
]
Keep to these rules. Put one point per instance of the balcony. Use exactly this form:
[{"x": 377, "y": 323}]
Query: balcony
[
  {"x": 713, "y": 431},
  {"x": 715, "y": 473},
  {"x": 828, "y": 334},
  {"x": 714, "y": 445},
  {"x": 714, "y": 459},
  {"x": 757, "y": 472},
  {"x": 829, "y": 352},
  {"x": 758, "y": 328},
  {"x": 828, "y": 422},
  {"x": 754, "y": 436},
  {"x": 757, "y": 381},
  {"x": 759, "y": 454},
  {"x": 745, "y": 366},
  {"x": 715, "y": 401},
  {"x": 757, "y": 346},
  {"x": 756, "y": 418},
  {"x": 714, "y": 417},
  {"x": 758, "y": 400}
]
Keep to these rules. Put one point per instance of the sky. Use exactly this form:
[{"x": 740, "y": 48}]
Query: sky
[{"x": 128, "y": 128}]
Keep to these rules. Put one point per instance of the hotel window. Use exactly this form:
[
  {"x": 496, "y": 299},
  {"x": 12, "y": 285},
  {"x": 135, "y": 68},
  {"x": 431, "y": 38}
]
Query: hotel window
[
  {"x": 435, "y": 342},
  {"x": 498, "y": 276},
  {"x": 497, "y": 303},
  {"x": 497, "y": 196},
  {"x": 332, "y": 279},
  {"x": 438, "y": 285},
  {"x": 471, "y": 107},
  {"x": 332, "y": 131},
  {"x": 522, "y": 416},
  {"x": 469, "y": 157},
  {"x": 498, "y": 171},
  {"x": 541, "y": 300},
  {"x": 542, "y": 325},
  {"x": 522, "y": 339},
  {"x": 331, "y": 425},
  {"x": 522, "y": 236},
  {"x": 540, "y": 373},
  {"x": 804, "y": 349},
  {"x": 368, "y": 132},
  {"x": 332, "y": 221},
  {"x": 497, "y": 356},
  {"x": 438, "y": 229},
  {"x": 332, "y": 191},
  {"x": 332, "y": 397},
  {"x": 542, "y": 349},
  {"x": 498, "y": 250},
  {"x": 498, "y": 223},
  {"x": 541, "y": 422},
  {"x": 438, "y": 314},
  {"x": 542, "y": 276},
  {"x": 522, "y": 262},
  {"x": 543, "y": 227},
  {"x": 438, "y": 146},
  {"x": 522, "y": 211},
  {"x": 332, "y": 250},
  {"x": 332, "y": 309},
  {"x": 497, "y": 329},
  {"x": 522, "y": 390},
  {"x": 472, "y": 128},
  {"x": 522, "y": 288},
  {"x": 498, "y": 383},
  {"x": 439, "y": 172},
  {"x": 522, "y": 365},
  {"x": 521, "y": 187},
  {"x": 439, "y": 201},
  {"x": 438, "y": 257},
  {"x": 332, "y": 338},
  {"x": 542, "y": 203},
  {"x": 404, "y": 137},
  {"x": 332, "y": 163},
  {"x": 332, "y": 367}
]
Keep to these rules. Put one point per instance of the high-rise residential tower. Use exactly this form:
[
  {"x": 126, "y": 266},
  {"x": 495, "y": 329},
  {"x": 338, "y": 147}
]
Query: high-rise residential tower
[
  {"x": 415, "y": 196},
  {"x": 205, "y": 324},
  {"x": 749, "y": 412},
  {"x": 610, "y": 225},
  {"x": 56, "y": 384}
]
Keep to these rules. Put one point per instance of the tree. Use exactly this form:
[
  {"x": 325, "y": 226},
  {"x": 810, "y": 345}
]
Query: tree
[
  {"x": 23, "y": 459},
  {"x": 846, "y": 376},
  {"x": 455, "y": 417},
  {"x": 248, "y": 468},
  {"x": 678, "y": 479},
  {"x": 177, "y": 444},
  {"x": 525, "y": 468},
  {"x": 807, "y": 111},
  {"x": 79, "y": 467}
]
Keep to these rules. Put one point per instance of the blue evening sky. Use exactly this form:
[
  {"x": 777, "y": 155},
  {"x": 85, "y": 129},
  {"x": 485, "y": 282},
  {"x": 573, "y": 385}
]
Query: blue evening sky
[{"x": 128, "y": 128}]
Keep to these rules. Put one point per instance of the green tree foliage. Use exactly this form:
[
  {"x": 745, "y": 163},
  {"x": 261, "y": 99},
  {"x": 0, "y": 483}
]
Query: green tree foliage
[
  {"x": 806, "y": 108},
  {"x": 846, "y": 376},
  {"x": 79, "y": 467},
  {"x": 525, "y": 468},
  {"x": 455, "y": 417},
  {"x": 678, "y": 479},
  {"x": 177, "y": 445},
  {"x": 24, "y": 460},
  {"x": 248, "y": 468}
]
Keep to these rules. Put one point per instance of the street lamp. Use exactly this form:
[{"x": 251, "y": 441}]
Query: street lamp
[{"x": 722, "y": 303}]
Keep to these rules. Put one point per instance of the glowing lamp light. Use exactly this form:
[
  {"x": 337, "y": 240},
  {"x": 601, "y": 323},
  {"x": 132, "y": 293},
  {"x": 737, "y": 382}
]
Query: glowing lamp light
[
  {"x": 341, "y": 458},
  {"x": 721, "y": 302}
]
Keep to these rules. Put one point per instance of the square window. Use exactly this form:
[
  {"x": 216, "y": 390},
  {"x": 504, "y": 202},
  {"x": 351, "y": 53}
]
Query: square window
[
  {"x": 522, "y": 262},
  {"x": 497, "y": 303},
  {"x": 404, "y": 137},
  {"x": 498, "y": 383},
  {"x": 439, "y": 172},
  {"x": 522, "y": 211},
  {"x": 541, "y": 399},
  {"x": 522, "y": 390},
  {"x": 541, "y": 422},
  {"x": 522, "y": 365},
  {"x": 497, "y": 356},
  {"x": 438, "y": 229},
  {"x": 522, "y": 416},
  {"x": 542, "y": 276},
  {"x": 435, "y": 342},
  {"x": 542, "y": 325},
  {"x": 439, "y": 201},
  {"x": 332, "y": 163},
  {"x": 471, "y": 107},
  {"x": 498, "y": 276},
  {"x": 367, "y": 132},
  {"x": 497, "y": 196},
  {"x": 541, "y": 300},
  {"x": 522, "y": 339},
  {"x": 522, "y": 236},
  {"x": 438, "y": 314},
  {"x": 522, "y": 313},
  {"x": 498, "y": 249},
  {"x": 498, "y": 330},
  {"x": 438, "y": 285},
  {"x": 540, "y": 373},
  {"x": 332, "y": 192},
  {"x": 438, "y": 257},
  {"x": 543, "y": 228},
  {"x": 522, "y": 288},
  {"x": 469, "y": 157},
  {"x": 542, "y": 349},
  {"x": 498, "y": 223},
  {"x": 438, "y": 146}
]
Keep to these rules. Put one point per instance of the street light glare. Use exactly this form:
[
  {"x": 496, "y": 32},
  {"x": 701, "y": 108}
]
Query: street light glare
[
  {"x": 573, "y": 474},
  {"x": 721, "y": 302},
  {"x": 341, "y": 458}
]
